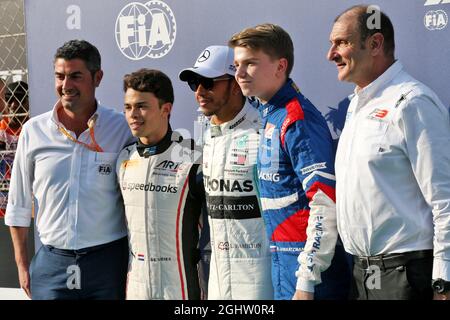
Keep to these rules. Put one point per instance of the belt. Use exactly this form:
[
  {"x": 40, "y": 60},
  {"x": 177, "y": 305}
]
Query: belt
[
  {"x": 70, "y": 252},
  {"x": 392, "y": 260}
]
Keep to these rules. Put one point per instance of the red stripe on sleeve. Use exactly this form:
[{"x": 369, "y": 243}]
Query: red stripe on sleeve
[
  {"x": 329, "y": 191},
  {"x": 293, "y": 229},
  {"x": 294, "y": 113}
]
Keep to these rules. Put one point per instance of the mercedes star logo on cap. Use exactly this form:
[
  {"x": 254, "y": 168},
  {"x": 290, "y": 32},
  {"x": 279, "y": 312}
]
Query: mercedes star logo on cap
[{"x": 205, "y": 56}]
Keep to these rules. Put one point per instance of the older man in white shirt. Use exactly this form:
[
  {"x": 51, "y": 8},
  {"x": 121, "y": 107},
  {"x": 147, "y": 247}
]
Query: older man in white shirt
[{"x": 392, "y": 168}]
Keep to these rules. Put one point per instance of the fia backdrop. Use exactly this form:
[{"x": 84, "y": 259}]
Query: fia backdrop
[{"x": 169, "y": 35}]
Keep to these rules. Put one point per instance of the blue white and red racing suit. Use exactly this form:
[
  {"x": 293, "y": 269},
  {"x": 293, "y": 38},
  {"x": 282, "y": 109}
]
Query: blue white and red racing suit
[{"x": 297, "y": 192}]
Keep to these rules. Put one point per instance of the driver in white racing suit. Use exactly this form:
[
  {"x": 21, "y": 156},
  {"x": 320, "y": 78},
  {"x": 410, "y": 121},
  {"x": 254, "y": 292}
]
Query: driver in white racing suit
[
  {"x": 163, "y": 195},
  {"x": 240, "y": 257}
]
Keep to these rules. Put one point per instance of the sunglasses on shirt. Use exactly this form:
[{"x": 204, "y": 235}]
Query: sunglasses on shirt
[{"x": 207, "y": 83}]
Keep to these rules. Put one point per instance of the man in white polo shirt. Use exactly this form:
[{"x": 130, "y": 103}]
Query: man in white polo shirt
[{"x": 65, "y": 166}]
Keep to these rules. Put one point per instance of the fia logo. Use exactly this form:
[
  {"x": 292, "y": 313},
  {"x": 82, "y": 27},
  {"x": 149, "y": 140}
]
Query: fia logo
[
  {"x": 145, "y": 30},
  {"x": 105, "y": 169},
  {"x": 435, "y": 20}
]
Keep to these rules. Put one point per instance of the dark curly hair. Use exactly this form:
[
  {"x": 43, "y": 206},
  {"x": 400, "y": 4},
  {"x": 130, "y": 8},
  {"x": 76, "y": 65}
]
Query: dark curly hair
[
  {"x": 80, "y": 49},
  {"x": 150, "y": 80}
]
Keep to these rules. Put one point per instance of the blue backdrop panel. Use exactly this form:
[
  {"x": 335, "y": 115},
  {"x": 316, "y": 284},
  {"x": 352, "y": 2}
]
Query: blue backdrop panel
[{"x": 169, "y": 36}]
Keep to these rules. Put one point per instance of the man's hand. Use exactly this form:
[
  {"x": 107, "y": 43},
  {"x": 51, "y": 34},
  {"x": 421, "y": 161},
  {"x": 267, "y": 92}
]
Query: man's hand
[
  {"x": 19, "y": 237},
  {"x": 303, "y": 295},
  {"x": 126, "y": 285},
  {"x": 24, "y": 279},
  {"x": 441, "y": 296}
]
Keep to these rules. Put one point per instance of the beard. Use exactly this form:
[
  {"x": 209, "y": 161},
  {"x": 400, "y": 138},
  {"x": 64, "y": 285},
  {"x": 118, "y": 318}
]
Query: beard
[
  {"x": 219, "y": 105},
  {"x": 207, "y": 113}
]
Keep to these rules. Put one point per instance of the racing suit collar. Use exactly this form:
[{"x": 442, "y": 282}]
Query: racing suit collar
[
  {"x": 224, "y": 128},
  {"x": 288, "y": 91},
  {"x": 146, "y": 150}
]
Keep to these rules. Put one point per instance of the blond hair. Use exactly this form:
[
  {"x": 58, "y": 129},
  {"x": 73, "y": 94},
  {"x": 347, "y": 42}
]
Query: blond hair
[{"x": 270, "y": 38}]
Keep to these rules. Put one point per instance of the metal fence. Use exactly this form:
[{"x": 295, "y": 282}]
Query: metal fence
[
  {"x": 13, "y": 113},
  {"x": 14, "y": 106}
]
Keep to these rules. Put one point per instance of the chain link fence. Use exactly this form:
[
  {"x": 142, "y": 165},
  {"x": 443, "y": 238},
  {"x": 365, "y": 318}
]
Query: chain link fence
[
  {"x": 14, "y": 105},
  {"x": 14, "y": 111}
]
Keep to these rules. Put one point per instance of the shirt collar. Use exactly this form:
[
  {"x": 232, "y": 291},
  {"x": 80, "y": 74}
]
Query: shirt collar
[
  {"x": 96, "y": 117},
  {"x": 375, "y": 86}
]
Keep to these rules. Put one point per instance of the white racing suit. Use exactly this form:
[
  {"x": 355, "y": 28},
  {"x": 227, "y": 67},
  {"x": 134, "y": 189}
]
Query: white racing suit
[
  {"x": 240, "y": 257},
  {"x": 163, "y": 194}
]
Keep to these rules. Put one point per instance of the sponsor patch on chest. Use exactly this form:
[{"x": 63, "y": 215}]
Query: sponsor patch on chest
[
  {"x": 378, "y": 114},
  {"x": 105, "y": 169},
  {"x": 268, "y": 132}
]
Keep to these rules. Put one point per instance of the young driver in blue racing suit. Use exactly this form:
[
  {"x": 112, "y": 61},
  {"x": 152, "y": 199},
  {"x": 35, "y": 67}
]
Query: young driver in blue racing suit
[{"x": 295, "y": 168}]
